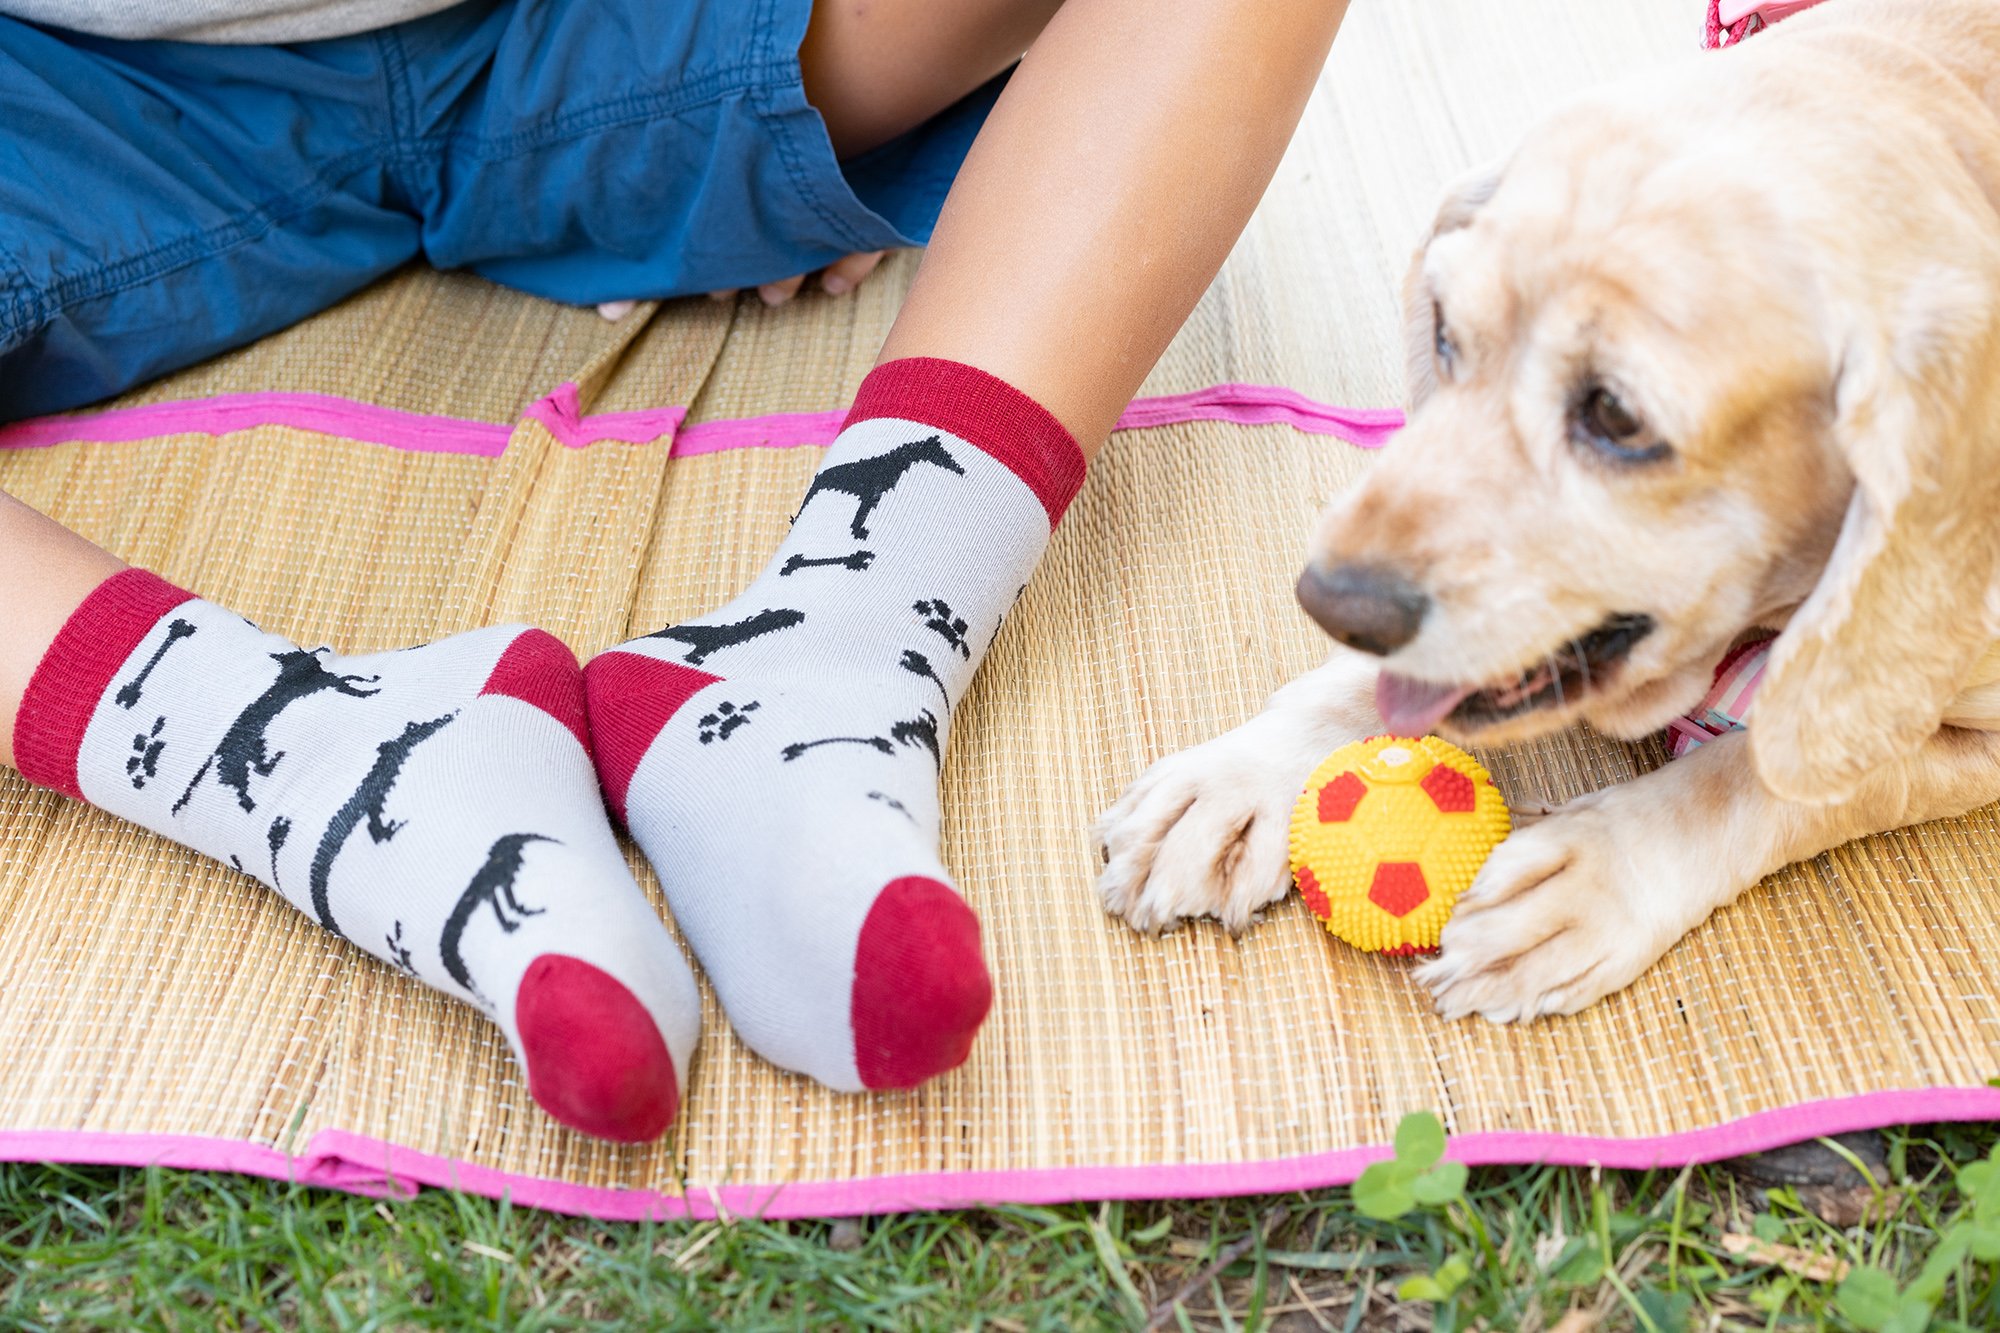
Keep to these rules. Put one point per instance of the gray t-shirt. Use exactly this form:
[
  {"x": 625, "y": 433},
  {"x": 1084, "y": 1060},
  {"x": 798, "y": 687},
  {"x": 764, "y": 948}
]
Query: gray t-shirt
[{"x": 235, "y": 21}]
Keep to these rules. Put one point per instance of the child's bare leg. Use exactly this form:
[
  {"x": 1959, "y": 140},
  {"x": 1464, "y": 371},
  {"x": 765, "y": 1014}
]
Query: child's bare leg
[
  {"x": 1105, "y": 191},
  {"x": 874, "y": 70},
  {"x": 45, "y": 573},
  {"x": 778, "y": 759}
]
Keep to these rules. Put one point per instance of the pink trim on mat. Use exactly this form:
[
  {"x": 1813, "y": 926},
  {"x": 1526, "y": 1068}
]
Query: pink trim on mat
[
  {"x": 1242, "y": 404},
  {"x": 1266, "y": 405},
  {"x": 336, "y": 1159},
  {"x": 779, "y": 430},
  {"x": 413, "y": 431},
  {"x": 561, "y": 413}
]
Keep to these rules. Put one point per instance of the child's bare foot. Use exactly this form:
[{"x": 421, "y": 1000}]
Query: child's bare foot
[{"x": 836, "y": 279}]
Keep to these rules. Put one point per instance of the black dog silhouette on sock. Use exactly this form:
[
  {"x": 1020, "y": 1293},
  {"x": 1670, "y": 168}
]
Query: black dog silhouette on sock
[
  {"x": 366, "y": 805},
  {"x": 919, "y": 730},
  {"x": 868, "y": 480},
  {"x": 241, "y": 752},
  {"x": 917, "y": 664},
  {"x": 857, "y": 562},
  {"x": 706, "y": 639},
  {"x": 494, "y": 885},
  {"x": 128, "y": 693}
]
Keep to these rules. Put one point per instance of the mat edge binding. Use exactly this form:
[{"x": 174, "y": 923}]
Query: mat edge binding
[
  {"x": 559, "y": 413},
  {"x": 361, "y": 1164}
]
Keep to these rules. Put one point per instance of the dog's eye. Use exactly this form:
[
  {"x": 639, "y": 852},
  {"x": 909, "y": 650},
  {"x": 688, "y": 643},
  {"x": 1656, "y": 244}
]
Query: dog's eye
[
  {"x": 1603, "y": 421},
  {"x": 1441, "y": 343},
  {"x": 1606, "y": 415}
]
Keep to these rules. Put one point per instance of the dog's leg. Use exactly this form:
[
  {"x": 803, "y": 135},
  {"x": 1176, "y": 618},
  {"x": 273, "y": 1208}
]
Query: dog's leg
[
  {"x": 1580, "y": 904},
  {"x": 1205, "y": 832}
]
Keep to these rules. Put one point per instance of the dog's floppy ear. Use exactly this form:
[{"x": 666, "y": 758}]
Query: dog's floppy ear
[
  {"x": 1910, "y": 599},
  {"x": 1463, "y": 198}
]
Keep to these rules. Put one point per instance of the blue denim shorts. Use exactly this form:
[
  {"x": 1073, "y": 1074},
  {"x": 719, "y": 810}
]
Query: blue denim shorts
[{"x": 163, "y": 201}]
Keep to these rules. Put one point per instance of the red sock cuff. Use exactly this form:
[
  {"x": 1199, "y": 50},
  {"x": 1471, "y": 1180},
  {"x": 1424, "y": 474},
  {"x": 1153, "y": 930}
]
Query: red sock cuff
[
  {"x": 77, "y": 669},
  {"x": 988, "y": 412}
]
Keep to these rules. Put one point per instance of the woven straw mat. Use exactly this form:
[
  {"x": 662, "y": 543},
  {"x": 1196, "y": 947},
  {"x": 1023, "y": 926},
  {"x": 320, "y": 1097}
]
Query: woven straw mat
[{"x": 144, "y": 990}]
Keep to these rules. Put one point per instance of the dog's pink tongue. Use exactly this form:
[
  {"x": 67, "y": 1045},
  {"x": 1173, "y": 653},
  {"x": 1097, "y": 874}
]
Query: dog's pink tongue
[{"x": 1412, "y": 707}]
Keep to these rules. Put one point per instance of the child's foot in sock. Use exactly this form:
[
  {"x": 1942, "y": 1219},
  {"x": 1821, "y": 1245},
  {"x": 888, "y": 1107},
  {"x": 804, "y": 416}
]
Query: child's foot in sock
[
  {"x": 778, "y": 759},
  {"x": 435, "y": 806}
]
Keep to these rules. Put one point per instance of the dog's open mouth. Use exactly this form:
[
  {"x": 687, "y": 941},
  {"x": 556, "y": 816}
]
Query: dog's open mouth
[{"x": 1416, "y": 707}]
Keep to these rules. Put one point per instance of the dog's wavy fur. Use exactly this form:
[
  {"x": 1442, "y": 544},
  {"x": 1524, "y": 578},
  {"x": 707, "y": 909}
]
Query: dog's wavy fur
[{"x": 1785, "y": 260}]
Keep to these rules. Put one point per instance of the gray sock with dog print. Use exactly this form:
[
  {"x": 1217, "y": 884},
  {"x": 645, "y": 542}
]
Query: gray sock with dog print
[
  {"x": 435, "y": 806},
  {"x": 778, "y": 759}
]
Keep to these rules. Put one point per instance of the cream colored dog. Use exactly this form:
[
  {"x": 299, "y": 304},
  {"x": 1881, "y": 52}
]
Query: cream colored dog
[{"x": 1714, "y": 350}]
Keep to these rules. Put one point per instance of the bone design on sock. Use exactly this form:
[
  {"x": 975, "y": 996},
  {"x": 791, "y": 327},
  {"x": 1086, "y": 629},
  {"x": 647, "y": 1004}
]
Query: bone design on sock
[
  {"x": 778, "y": 759},
  {"x": 436, "y": 807}
]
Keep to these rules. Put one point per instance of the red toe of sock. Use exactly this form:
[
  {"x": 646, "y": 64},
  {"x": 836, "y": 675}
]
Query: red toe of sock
[
  {"x": 596, "y": 1060},
  {"x": 920, "y": 984}
]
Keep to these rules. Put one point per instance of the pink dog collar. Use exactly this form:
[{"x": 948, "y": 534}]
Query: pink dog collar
[
  {"x": 1726, "y": 706},
  {"x": 1730, "y": 21}
]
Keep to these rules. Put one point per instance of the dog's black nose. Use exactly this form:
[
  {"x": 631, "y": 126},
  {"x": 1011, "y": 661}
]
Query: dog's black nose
[{"x": 1369, "y": 607}]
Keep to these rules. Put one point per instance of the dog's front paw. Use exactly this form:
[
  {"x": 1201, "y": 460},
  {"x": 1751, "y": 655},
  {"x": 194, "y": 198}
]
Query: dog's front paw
[
  {"x": 1205, "y": 832},
  {"x": 1566, "y": 912}
]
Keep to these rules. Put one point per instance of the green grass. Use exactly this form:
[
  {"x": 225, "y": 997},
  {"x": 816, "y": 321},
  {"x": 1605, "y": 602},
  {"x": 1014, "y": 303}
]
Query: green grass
[{"x": 101, "y": 1248}]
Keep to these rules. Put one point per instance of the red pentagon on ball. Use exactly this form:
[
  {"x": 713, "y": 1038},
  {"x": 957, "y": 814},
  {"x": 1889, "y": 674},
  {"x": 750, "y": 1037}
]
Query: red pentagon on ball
[
  {"x": 1450, "y": 790},
  {"x": 1399, "y": 887},
  {"x": 1338, "y": 798},
  {"x": 1310, "y": 890}
]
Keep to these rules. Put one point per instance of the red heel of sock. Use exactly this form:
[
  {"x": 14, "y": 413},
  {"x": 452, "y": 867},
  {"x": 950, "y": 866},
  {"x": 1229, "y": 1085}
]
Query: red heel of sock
[
  {"x": 631, "y": 698},
  {"x": 539, "y": 669}
]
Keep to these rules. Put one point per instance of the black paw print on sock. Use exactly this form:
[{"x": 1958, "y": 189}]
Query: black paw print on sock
[
  {"x": 147, "y": 747},
  {"x": 726, "y": 718},
  {"x": 951, "y": 628}
]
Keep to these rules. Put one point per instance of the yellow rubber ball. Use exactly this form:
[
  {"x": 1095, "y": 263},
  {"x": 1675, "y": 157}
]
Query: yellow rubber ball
[{"x": 1388, "y": 833}]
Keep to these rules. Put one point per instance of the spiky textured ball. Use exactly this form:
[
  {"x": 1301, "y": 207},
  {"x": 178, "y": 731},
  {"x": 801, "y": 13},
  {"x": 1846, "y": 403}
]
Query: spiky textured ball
[{"x": 1388, "y": 833}]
